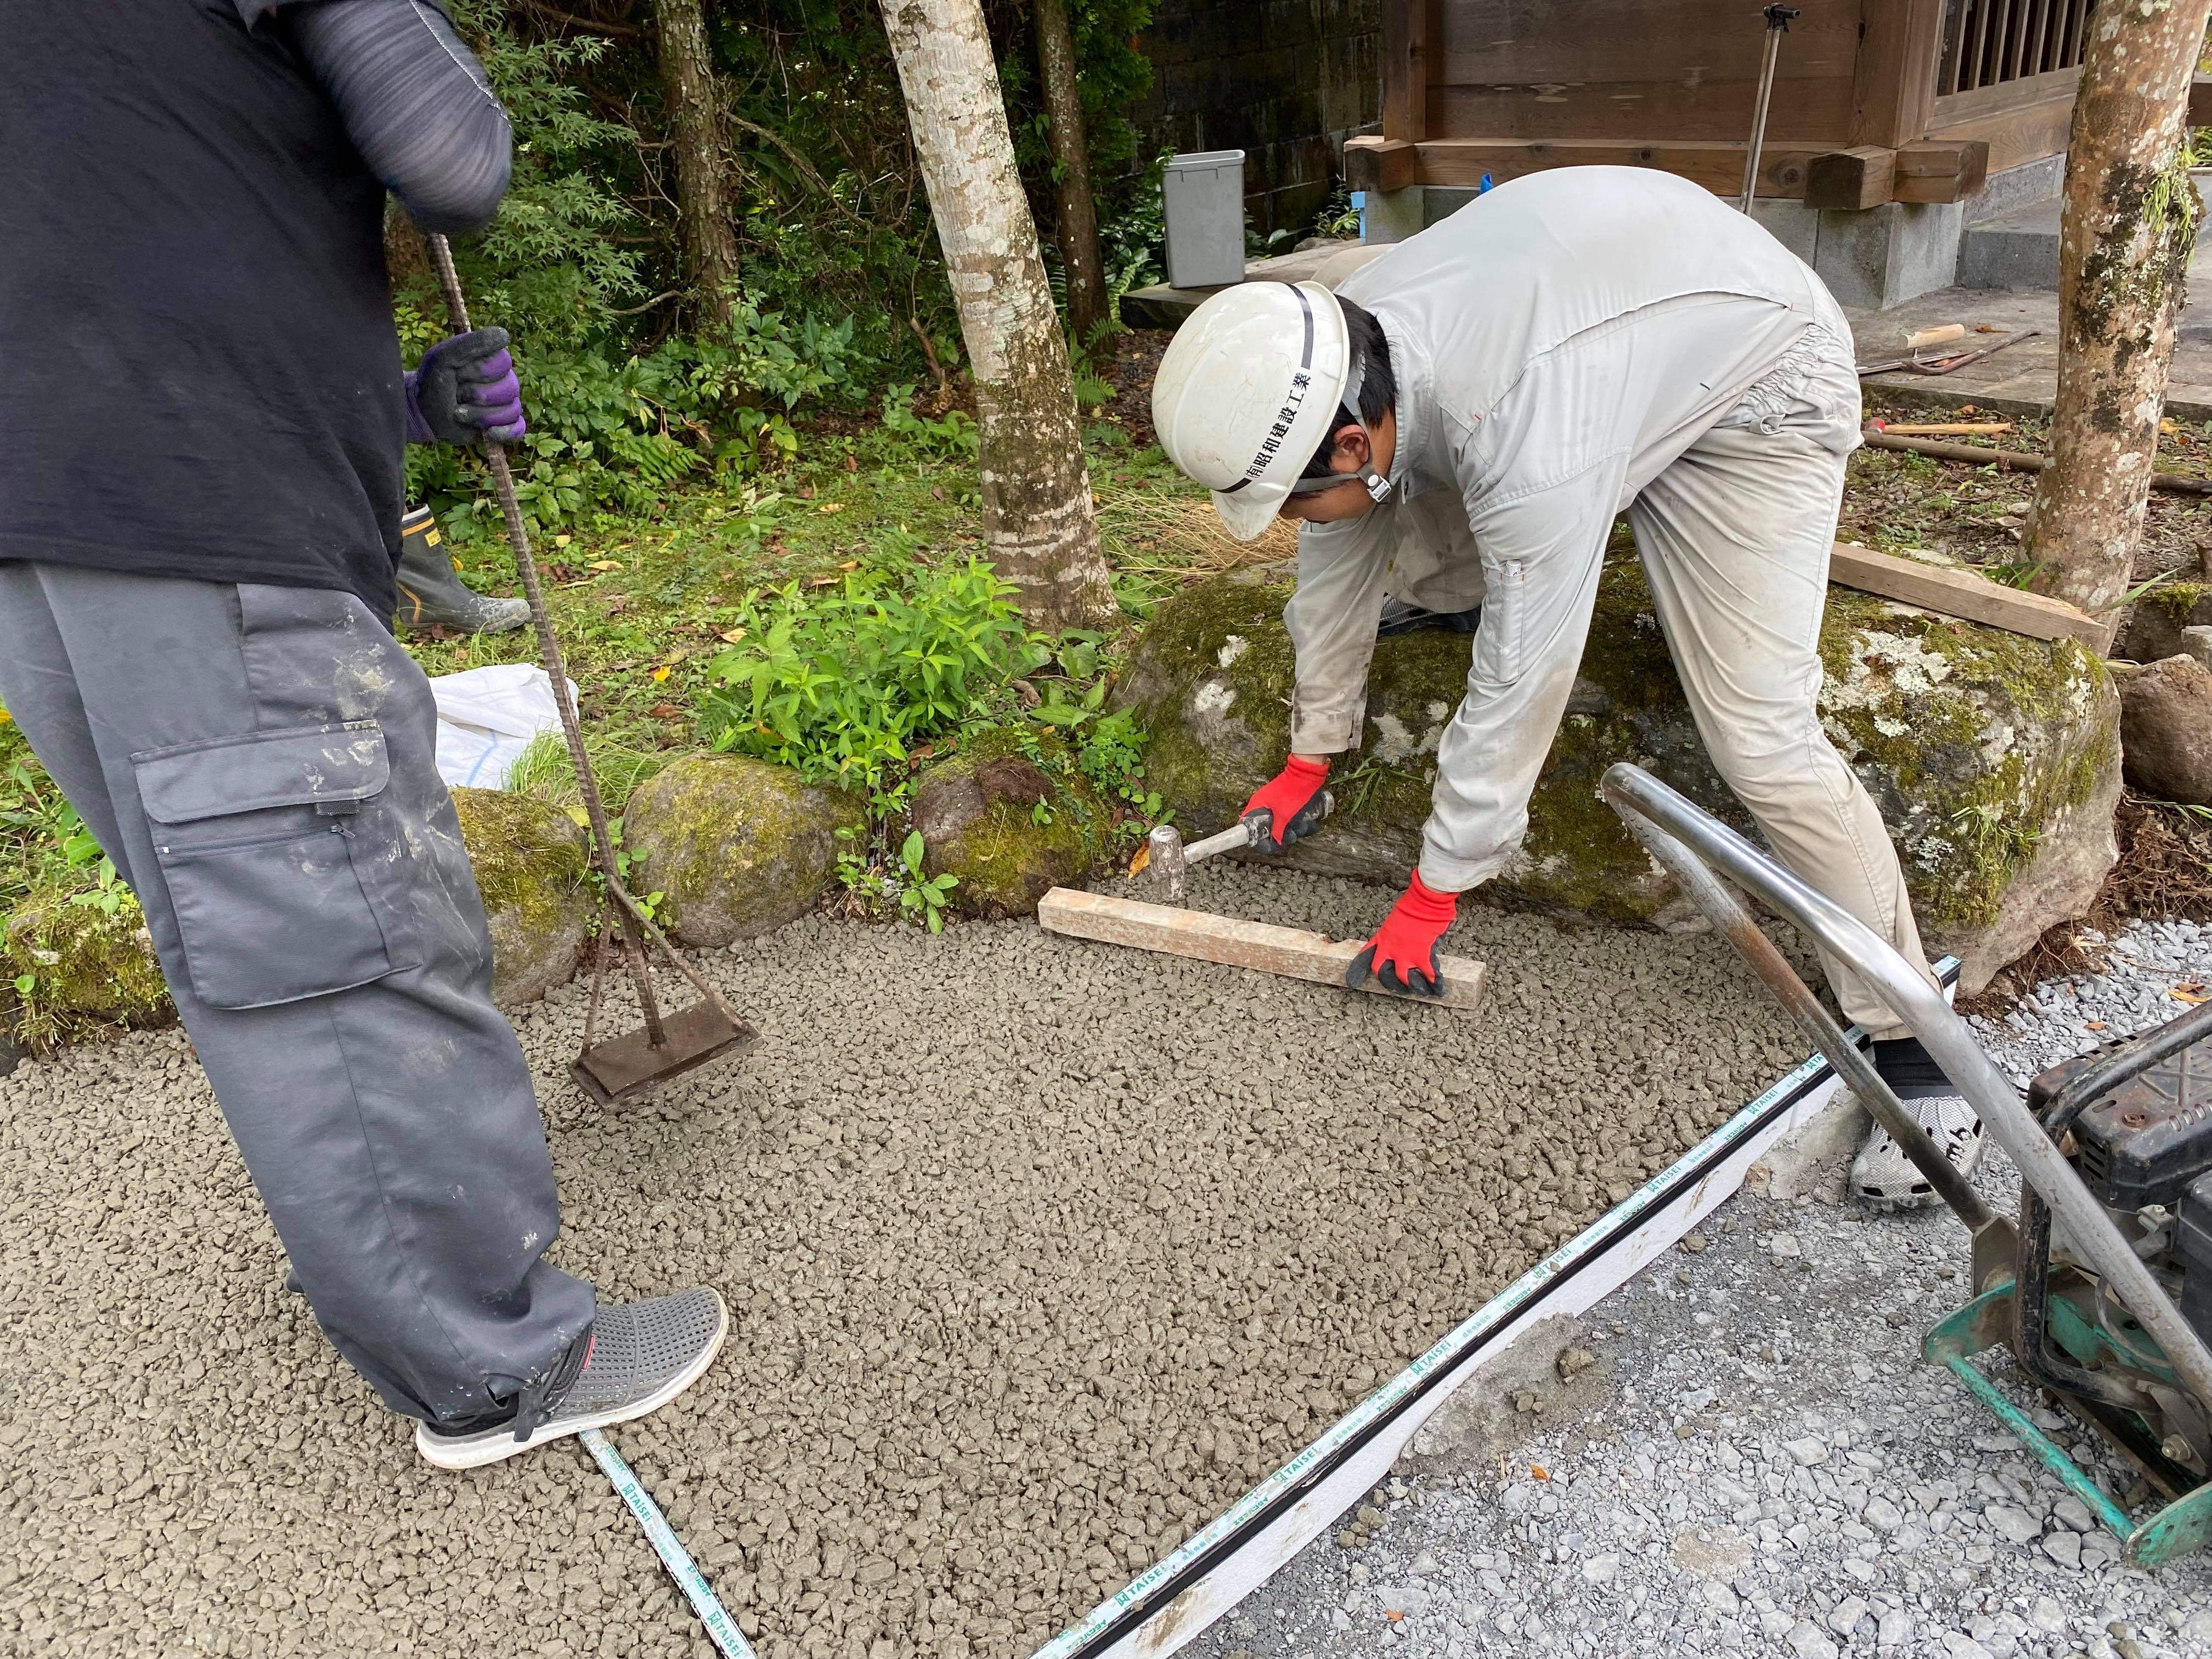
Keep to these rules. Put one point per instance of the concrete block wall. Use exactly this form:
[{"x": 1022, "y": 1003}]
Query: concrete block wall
[{"x": 1284, "y": 81}]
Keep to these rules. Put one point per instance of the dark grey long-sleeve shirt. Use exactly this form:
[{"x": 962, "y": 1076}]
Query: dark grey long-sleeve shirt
[{"x": 414, "y": 100}]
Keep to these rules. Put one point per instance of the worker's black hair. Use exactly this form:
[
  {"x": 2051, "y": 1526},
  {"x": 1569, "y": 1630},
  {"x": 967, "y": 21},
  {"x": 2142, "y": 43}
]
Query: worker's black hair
[{"x": 1378, "y": 387}]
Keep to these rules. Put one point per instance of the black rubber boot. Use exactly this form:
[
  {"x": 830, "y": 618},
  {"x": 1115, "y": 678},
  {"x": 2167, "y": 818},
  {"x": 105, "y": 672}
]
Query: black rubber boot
[
  {"x": 1399, "y": 617},
  {"x": 432, "y": 595}
]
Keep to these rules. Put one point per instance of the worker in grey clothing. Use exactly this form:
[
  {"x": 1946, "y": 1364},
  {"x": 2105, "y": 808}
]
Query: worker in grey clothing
[
  {"x": 1460, "y": 422},
  {"x": 201, "y": 430}
]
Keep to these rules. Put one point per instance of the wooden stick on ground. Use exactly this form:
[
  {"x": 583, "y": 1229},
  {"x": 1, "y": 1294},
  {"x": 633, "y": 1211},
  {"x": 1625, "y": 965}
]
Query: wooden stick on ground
[
  {"x": 1958, "y": 592},
  {"x": 2018, "y": 460},
  {"x": 1290, "y": 951}
]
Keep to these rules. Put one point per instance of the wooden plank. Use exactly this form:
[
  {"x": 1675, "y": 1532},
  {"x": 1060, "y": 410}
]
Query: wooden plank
[
  {"x": 1893, "y": 78},
  {"x": 2005, "y": 97},
  {"x": 2015, "y": 138},
  {"x": 1718, "y": 167},
  {"x": 1805, "y": 110},
  {"x": 1714, "y": 48},
  {"x": 1381, "y": 164},
  {"x": 1408, "y": 60},
  {"x": 2200, "y": 101},
  {"x": 1860, "y": 178},
  {"x": 1950, "y": 171},
  {"x": 1290, "y": 951},
  {"x": 1962, "y": 593}
]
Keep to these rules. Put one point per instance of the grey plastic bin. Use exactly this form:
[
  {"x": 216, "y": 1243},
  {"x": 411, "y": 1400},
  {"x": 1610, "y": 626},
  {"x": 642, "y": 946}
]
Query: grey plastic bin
[{"x": 1202, "y": 197}]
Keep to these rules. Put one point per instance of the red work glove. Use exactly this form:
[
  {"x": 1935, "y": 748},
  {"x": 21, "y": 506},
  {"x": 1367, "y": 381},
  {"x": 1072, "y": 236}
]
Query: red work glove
[
  {"x": 1402, "y": 955},
  {"x": 1286, "y": 795}
]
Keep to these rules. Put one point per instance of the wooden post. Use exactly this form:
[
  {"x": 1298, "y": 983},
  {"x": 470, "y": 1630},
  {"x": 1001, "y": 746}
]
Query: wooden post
[
  {"x": 1409, "y": 36},
  {"x": 1893, "y": 79}
]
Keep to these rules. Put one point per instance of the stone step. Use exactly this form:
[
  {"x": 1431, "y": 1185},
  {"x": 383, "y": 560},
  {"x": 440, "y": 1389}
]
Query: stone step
[{"x": 2019, "y": 249}]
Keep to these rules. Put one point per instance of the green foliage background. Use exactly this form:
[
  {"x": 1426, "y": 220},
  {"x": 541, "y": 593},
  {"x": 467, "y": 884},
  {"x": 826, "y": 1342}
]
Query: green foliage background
[{"x": 843, "y": 284}]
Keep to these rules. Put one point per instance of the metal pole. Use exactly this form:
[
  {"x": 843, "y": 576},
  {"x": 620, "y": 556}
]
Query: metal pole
[
  {"x": 1778, "y": 25},
  {"x": 548, "y": 647},
  {"x": 1635, "y": 793}
]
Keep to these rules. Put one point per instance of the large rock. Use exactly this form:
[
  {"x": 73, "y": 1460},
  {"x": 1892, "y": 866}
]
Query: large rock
[
  {"x": 2152, "y": 633},
  {"x": 84, "y": 969},
  {"x": 532, "y": 863},
  {"x": 739, "y": 847},
  {"x": 978, "y": 814},
  {"x": 2166, "y": 728},
  {"x": 1994, "y": 758}
]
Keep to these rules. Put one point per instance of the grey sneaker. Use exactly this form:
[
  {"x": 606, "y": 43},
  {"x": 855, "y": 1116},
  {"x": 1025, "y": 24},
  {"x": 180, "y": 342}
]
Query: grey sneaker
[
  {"x": 636, "y": 1358},
  {"x": 432, "y": 593}
]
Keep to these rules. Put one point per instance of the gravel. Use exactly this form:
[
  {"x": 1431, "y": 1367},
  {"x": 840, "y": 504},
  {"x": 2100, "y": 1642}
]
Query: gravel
[
  {"x": 1758, "y": 1462},
  {"x": 1041, "y": 1253}
]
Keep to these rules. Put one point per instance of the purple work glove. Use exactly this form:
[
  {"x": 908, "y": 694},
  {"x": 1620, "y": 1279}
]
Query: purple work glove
[{"x": 465, "y": 389}]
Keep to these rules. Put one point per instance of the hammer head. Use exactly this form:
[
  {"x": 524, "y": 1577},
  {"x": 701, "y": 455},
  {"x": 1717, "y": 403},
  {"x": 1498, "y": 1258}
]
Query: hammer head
[{"x": 1168, "y": 861}]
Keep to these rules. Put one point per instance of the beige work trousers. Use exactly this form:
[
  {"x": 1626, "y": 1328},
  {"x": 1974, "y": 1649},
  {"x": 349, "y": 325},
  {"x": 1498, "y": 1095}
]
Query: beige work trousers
[{"x": 1734, "y": 537}]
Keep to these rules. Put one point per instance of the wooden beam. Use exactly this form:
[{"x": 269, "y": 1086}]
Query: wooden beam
[
  {"x": 1717, "y": 167},
  {"x": 1894, "y": 77},
  {"x": 2200, "y": 101},
  {"x": 1408, "y": 54},
  {"x": 1948, "y": 171},
  {"x": 2015, "y": 136},
  {"x": 1860, "y": 178},
  {"x": 1290, "y": 951},
  {"x": 1381, "y": 164},
  {"x": 1956, "y": 592}
]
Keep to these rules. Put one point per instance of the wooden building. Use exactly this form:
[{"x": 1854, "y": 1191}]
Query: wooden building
[{"x": 1874, "y": 101}]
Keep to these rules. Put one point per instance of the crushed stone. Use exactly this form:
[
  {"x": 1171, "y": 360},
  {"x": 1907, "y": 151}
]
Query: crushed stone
[
  {"x": 1041, "y": 1254},
  {"x": 1759, "y": 1462}
]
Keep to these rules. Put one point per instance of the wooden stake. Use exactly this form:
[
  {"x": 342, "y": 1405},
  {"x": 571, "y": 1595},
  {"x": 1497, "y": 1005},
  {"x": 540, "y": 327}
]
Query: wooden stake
[{"x": 1290, "y": 951}]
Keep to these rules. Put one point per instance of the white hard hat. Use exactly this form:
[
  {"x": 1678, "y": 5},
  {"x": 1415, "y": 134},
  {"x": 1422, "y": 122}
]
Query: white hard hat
[{"x": 1249, "y": 389}]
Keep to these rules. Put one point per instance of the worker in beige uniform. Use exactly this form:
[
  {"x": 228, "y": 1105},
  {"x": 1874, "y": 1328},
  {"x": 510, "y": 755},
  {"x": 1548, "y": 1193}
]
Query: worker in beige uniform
[{"x": 1458, "y": 424}]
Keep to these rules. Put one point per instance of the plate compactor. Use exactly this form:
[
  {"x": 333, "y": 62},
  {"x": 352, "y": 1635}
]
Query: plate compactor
[
  {"x": 2103, "y": 1291},
  {"x": 2135, "y": 1122}
]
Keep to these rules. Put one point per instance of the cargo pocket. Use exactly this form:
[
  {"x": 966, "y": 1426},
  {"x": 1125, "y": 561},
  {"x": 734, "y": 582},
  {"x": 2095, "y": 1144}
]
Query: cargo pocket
[
  {"x": 257, "y": 840},
  {"x": 1501, "y": 642}
]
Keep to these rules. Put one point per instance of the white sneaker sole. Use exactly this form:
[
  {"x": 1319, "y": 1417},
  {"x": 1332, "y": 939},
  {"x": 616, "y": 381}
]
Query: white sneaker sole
[{"x": 496, "y": 1445}]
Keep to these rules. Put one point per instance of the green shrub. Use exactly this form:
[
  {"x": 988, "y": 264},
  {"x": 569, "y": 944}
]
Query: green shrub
[{"x": 843, "y": 683}]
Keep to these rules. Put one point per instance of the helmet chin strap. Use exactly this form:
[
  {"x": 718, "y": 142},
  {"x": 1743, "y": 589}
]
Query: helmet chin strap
[{"x": 1375, "y": 483}]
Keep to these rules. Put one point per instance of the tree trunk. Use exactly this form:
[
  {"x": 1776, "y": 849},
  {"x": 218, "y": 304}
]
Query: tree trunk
[
  {"x": 1076, "y": 211},
  {"x": 2127, "y": 227},
  {"x": 695, "y": 129},
  {"x": 1037, "y": 493}
]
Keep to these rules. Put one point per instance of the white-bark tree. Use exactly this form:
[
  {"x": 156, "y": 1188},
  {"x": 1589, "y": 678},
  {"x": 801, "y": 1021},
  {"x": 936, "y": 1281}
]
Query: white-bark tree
[
  {"x": 1036, "y": 490},
  {"x": 2127, "y": 226}
]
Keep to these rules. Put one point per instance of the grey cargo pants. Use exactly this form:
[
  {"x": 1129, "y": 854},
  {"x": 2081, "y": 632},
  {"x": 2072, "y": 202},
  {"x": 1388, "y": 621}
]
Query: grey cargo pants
[{"x": 259, "y": 762}]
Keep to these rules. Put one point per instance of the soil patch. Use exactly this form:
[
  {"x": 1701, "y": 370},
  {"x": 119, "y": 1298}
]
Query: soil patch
[{"x": 1041, "y": 1254}]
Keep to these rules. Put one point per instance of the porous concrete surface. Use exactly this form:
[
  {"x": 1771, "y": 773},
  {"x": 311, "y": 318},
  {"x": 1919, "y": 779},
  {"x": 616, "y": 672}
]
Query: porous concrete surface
[
  {"x": 1040, "y": 1252},
  {"x": 1750, "y": 1456}
]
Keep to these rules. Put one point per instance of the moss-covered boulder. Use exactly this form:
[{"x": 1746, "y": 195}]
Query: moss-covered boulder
[
  {"x": 80, "y": 969},
  {"x": 532, "y": 861},
  {"x": 1009, "y": 816},
  {"x": 1994, "y": 758},
  {"x": 2152, "y": 632},
  {"x": 738, "y": 846}
]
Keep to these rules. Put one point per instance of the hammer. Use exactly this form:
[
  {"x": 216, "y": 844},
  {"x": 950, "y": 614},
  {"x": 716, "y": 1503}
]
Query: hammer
[{"x": 1171, "y": 859}]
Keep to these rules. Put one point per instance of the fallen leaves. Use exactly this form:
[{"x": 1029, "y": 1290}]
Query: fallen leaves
[
  {"x": 666, "y": 711},
  {"x": 604, "y": 564},
  {"x": 1539, "y": 1472},
  {"x": 2191, "y": 992},
  {"x": 1143, "y": 860},
  {"x": 731, "y": 635},
  {"x": 661, "y": 672},
  {"x": 831, "y": 507}
]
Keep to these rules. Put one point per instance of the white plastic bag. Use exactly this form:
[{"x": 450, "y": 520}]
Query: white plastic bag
[{"x": 486, "y": 719}]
